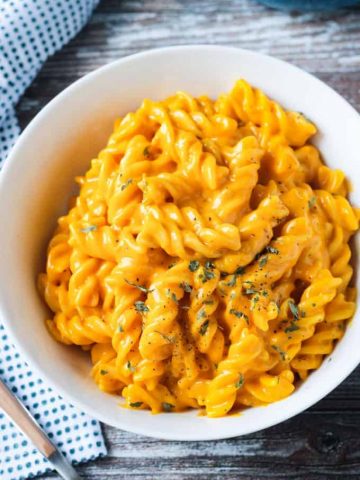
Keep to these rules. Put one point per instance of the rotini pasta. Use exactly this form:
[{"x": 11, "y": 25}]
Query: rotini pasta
[{"x": 205, "y": 262}]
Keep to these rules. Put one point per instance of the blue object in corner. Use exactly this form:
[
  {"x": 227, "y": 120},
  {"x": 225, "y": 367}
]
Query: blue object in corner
[{"x": 310, "y": 5}]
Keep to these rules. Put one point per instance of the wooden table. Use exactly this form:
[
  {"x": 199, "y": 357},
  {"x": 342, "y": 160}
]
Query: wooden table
[{"x": 324, "y": 442}]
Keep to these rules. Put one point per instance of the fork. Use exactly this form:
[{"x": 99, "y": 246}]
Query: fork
[{"x": 19, "y": 415}]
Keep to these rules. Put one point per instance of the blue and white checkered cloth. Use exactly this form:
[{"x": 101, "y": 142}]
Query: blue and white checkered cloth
[{"x": 30, "y": 31}]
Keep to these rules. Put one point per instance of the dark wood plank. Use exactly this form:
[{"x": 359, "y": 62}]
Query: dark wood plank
[{"x": 324, "y": 442}]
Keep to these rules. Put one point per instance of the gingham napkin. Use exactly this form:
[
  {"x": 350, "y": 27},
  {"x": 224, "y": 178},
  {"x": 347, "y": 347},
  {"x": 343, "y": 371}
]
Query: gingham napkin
[{"x": 30, "y": 31}]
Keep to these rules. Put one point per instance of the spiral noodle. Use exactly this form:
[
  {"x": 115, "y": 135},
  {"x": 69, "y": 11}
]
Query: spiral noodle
[{"x": 205, "y": 262}]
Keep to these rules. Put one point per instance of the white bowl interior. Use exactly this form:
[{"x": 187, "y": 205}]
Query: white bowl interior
[{"x": 38, "y": 180}]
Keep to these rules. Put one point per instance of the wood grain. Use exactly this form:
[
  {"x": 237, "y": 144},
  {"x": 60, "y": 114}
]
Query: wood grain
[{"x": 324, "y": 442}]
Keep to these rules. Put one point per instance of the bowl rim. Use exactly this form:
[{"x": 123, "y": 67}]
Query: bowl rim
[{"x": 5, "y": 315}]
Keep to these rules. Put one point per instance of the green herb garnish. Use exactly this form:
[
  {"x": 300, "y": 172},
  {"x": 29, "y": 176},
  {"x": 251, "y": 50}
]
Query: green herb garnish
[
  {"x": 141, "y": 307},
  {"x": 88, "y": 229},
  {"x": 135, "y": 404},
  {"x": 239, "y": 314},
  {"x": 273, "y": 250},
  {"x": 208, "y": 302},
  {"x": 280, "y": 352},
  {"x": 207, "y": 275},
  {"x": 291, "y": 328},
  {"x": 194, "y": 265},
  {"x": 209, "y": 264},
  {"x": 204, "y": 327},
  {"x": 167, "y": 407},
  {"x": 294, "y": 309},
  {"x": 103, "y": 372},
  {"x": 126, "y": 184},
  {"x": 249, "y": 291},
  {"x": 312, "y": 202},
  {"x": 139, "y": 287},
  {"x": 240, "y": 382},
  {"x": 130, "y": 367},
  {"x": 232, "y": 282},
  {"x": 166, "y": 337},
  {"x": 146, "y": 151},
  {"x": 201, "y": 314},
  {"x": 171, "y": 295},
  {"x": 263, "y": 261},
  {"x": 120, "y": 329},
  {"x": 240, "y": 271},
  {"x": 186, "y": 287}
]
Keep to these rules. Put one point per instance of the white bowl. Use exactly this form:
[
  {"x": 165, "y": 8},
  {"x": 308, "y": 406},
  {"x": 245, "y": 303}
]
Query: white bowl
[{"x": 58, "y": 144}]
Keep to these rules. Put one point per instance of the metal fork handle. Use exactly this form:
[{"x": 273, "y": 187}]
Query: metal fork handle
[{"x": 19, "y": 415}]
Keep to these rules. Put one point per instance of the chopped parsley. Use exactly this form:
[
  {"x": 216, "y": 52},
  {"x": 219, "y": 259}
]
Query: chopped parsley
[
  {"x": 171, "y": 295},
  {"x": 186, "y": 287},
  {"x": 204, "y": 327},
  {"x": 146, "y": 151},
  {"x": 249, "y": 291},
  {"x": 280, "y": 352},
  {"x": 135, "y": 404},
  {"x": 141, "y": 307},
  {"x": 130, "y": 367},
  {"x": 207, "y": 275},
  {"x": 88, "y": 229},
  {"x": 240, "y": 382},
  {"x": 103, "y": 372},
  {"x": 291, "y": 328},
  {"x": 167, "y": 407},
  {"x": 239, "y": 271},
  {"x": 139, "y": 287},
  {"x": 201, "y": 314},
  {"x": 312, "y": 202},
  {"x": 194, "y": 265},
  {"x": 263, "y": 261},
  {"x": 126, "y": 184},
  {"x": 294, "y": 309},
  {"x": 232, "y": 281},
  {"x": 270, "y": 249},
  {"x": 239, "y": 314},
  {"x": 120, "y": 329},
  {"x": 166, "y": 337},
  {"x": 208, "y": 302},
  {"x": 209, "y": 265}
]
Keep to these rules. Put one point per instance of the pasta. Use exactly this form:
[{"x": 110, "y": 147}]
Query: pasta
[{"x": 205, "y": 262}]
